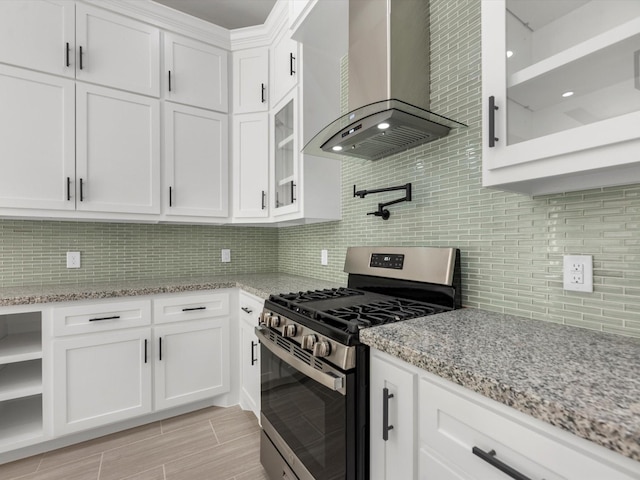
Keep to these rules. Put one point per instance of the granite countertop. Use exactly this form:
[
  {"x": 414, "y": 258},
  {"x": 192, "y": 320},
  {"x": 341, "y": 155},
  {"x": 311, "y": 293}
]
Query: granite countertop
[
  {"x": 582, "y": 381},
  {"x": 262, "y": 285}
]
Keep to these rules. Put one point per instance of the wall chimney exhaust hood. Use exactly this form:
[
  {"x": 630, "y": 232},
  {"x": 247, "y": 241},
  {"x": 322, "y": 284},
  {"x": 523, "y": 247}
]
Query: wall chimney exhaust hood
[{"x": 388, "y": 84}]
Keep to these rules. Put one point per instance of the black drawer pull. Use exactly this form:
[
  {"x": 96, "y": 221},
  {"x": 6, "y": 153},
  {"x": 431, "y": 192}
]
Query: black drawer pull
[
  {"x": 385, "y": 414},
  {"x": 68, "y": 51},
  {"x": 193, "y": 308},
  {"x": 145, "y": 350},
  {"x": 262, "y": 91},
  {"x": 81, "y": 190},
  {"x": 490, "y": 458},
  {"x": 170, "y": 195},
  {"x": 246, "y": 310},
  {"x": 160, "y": 349},
  {"x": 169, "y": 80},
  {"x": 115, "y": 317},
  {"x": 264, "y": 199},
  {"x": 254, "y": 359},
  {"x": 68, "y": 188},
  {"x": 292, "y": 59},
  {"x": 492, "y": 121},
  {"x": 80, "y": 57}
]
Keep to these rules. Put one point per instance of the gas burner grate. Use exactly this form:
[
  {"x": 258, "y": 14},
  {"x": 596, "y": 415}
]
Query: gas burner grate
[
  {"x": 313, "y": 295},
  {"x": 379, "y": 313}
]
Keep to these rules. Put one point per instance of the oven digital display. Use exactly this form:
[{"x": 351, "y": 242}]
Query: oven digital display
[{"x": 387, "y": 260}]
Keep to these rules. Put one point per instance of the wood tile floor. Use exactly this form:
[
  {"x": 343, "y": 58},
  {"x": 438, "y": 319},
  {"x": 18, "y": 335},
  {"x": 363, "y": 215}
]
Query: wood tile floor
[{"x": 210, "y": 444}]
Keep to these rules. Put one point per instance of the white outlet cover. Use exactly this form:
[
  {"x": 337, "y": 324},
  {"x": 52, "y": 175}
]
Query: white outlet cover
[
  {"x": 581, "y": 265},
  {"x": 225, "y": 255},
  {"x": 324, "y": 257},
  {"x": 73, "y": 259}
]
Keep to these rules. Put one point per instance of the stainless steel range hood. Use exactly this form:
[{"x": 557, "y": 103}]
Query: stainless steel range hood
[{"x": 388, "y": 84}]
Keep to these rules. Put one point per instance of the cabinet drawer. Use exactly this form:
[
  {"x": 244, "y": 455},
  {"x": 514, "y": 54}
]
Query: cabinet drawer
[
  {"x": 101, "y": 317},
  {"x": 190, "y": 307},
  {"x": 453, "y": 423},
  {"x": 250, "y": 308}
]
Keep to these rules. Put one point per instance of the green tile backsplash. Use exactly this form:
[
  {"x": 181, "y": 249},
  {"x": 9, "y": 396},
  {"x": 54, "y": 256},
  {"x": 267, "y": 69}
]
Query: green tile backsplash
[
  {"x": 34, "y": 252},
  {"x": 511, "y": 245}
]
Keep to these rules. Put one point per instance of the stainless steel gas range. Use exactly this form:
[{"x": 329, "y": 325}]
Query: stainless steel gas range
[{"x": 315, "y": 371}]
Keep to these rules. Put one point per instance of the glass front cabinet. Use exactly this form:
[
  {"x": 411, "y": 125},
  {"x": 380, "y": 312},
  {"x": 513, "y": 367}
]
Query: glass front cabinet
[
  {"x": 561, "y": 94},
  {"x": 285, "y": 156}
]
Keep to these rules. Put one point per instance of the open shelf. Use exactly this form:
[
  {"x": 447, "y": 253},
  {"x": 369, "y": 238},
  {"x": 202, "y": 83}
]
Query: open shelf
[
  {"x": 283, "y": 143},
  {"x": 20, "y": 420},
  {"x": 18, "y": 380},
  {"x": 20, "y": 347},
  {"x": 286, "y": 180}
]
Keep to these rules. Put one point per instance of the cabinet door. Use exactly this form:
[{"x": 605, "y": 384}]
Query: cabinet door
[
  {"x": 100, "y": 379},
  {"x": 37, "y": 136},
  {"x": 197, "y": 161},
  {"x": 249, "y": 368},
  {"x": 285, "y": 156},
  {"x": 118, "y": 151},
  {"x": 38, "y": 34},
  {"x": 191, "y": 361},
  {"x": 553, "y": 104},
  {"x": 392, "y": 389},
  {"x": 196, "y": 73},
  {"x": 284, "y": 66},
  {"x": 250, "y": 165},
  {"x": 117, "y": 51},
  {"x": 250, "y": 80}
]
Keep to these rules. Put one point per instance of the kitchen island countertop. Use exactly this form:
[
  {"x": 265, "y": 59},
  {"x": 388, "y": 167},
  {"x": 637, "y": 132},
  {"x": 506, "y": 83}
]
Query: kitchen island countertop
[
  {"x": 582, "y": 381},
  {"x": 261, "y": 284}
]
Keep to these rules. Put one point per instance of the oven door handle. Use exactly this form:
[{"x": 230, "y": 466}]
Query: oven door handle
[{"x": 332, "y": 380}]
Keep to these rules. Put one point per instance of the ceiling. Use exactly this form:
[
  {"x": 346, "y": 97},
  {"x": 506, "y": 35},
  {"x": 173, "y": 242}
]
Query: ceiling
[{"x": 225, "y": 13}]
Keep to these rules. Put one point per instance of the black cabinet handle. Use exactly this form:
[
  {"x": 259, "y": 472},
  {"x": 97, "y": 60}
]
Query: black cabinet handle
[
  {"x": 160, "y": 349},
  {"x": 169, "y": 80},
  {"x": 68, "y": 52},
  {"x": 293, "y": 196},
  {"x": 81, "y": 190},
  {"x": 254, "y": 359},
  {"x": 246, "y": 310},
  {"x": 292, "y": 59},
  {"x": 115, "y": 317},
  {"x": 492, "y": 121},
  {"x": 68, "y": 189},
  {"x": 145, "y": 350},
  {"x": 490, "y": 458},
  {"x": 80, "y": 57},
  {"x": 385, "y": 414},
  {"x": 264, "y": 199},
  {"x": 170, "y": 195},
  {"x": 262, "y": 92},
  {"x": 190, "y": 309}
]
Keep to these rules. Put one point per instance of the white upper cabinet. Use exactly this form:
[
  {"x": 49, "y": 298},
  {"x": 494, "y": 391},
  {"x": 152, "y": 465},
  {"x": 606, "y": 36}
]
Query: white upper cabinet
[
  {"x": 285, "y": 160},
  {"x": 284, "y": 66},
  {"x": 196, "y": 162},
  {"x": 251, "y": 80},
  {"x": 561, "y": 94},
  {"x": 251, "y": 166},
  {"x": 117, "y": 51},
  {"x": 37, "y": 146},
  {"x": 195, "y": 73},
  {"x": 39, "y": 35},
  {"x": 118, "y": 151}
]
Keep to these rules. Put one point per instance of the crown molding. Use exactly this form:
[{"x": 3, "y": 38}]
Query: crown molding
[{"x": 262, "y": 35}]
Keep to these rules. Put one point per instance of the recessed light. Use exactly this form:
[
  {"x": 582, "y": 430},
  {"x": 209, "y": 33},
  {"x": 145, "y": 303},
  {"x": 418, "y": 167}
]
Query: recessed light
[
  {"x": 337, "y": 148},
  {"x": 567, "y": 94},
  {"x": 383, "y": 126},
  {"x": 509, "y": 54}
]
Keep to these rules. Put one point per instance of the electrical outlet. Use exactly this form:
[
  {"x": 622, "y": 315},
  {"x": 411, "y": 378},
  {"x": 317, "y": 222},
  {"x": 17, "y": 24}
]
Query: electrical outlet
[
  {"x": 73, "y": 259},
  {"x": 225, "y": 255},
  {"x": 324, "y": 257},
  {"x": 578, "y": 273}
]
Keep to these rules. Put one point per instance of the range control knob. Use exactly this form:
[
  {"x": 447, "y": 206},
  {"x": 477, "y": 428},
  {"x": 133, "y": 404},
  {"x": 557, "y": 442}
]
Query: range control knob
[
  {"x": 321, "y": 349},
  {"x": 289, "y": 330},
  {"x": 308, "y": 341},
  {"x": 273, "y": 321}
]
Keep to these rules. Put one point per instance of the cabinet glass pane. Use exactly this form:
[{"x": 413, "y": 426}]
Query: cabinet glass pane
[
  {"x": 570, "y": 63},
  {"x": 284, "y": 156}
]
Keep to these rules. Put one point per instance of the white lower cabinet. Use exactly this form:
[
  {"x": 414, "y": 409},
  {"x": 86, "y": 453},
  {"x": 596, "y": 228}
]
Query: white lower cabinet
[
  {"x": 100, "y": 379},
  {"x": 447, "y": 432},
  {"x": 392, "y": 412},
  {"x": 250, "y": 308}
]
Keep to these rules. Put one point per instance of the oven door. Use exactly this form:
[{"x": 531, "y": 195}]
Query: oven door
[{"x": 307, "y": 411}]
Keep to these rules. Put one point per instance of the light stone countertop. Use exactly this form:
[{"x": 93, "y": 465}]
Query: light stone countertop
[
  {"x": 582, "y": 381},
  {"x": 261, "y": 285}
]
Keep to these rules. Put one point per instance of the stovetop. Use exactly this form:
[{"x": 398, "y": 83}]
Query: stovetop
[{"x": 340, "y": 313}]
